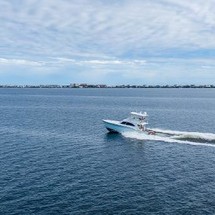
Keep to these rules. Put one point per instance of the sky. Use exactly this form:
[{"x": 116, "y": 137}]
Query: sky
[{"x": 107, "y": 42}]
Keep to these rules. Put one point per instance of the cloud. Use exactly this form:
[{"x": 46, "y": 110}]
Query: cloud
[
  {"x": 150, "y": 71},
  {"x": 21, "y": 62},
  {"x": 99, "y": 62},
  {"x": 161, "y": 37},
  {"x": 139, "y": 27}
]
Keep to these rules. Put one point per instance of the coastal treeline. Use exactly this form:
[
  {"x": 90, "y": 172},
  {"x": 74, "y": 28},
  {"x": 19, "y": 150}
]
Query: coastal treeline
[{"x": 106, "y": 86}]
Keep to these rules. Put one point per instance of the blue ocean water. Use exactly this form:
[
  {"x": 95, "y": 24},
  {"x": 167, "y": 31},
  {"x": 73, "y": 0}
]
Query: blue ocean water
[{"x": 56, "y": 157}]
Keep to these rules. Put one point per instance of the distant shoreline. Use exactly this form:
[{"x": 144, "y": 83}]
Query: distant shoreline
[{"x": 72, "y": 86}]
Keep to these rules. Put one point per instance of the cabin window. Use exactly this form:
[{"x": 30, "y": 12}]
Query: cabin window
[{"x": 127, "y": 123}]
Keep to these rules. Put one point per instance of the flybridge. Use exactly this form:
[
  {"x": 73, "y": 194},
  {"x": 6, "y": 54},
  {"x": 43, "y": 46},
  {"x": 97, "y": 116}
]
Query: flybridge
[
  {"x": 140, "y": 114},
  {"x": 138, "y": 118}
]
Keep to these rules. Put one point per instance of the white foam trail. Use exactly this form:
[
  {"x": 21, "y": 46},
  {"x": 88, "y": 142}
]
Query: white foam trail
[
  {"x": 142, "y": 136},
  {"x": 187, "y": 135}
]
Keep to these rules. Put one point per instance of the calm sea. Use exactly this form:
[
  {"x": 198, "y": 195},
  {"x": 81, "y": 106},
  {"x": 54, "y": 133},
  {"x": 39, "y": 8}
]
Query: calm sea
[{"x": 56, "y": 157}]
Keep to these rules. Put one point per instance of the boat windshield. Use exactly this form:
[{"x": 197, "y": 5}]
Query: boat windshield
[{"x": 127, "y": 123}]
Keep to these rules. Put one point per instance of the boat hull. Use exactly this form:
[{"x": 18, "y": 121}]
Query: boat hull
[{"x": 116, "y": 127}]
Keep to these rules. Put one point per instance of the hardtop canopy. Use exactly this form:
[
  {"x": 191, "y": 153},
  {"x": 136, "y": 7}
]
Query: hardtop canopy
[{"x": 140, "y": 114}]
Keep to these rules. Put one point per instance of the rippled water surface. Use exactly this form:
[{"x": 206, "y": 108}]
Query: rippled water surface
[{"x": 57, "y": 158}]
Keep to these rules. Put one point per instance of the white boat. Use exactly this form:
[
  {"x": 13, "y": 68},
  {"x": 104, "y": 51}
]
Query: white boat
[{"x": 135, "y": 122}]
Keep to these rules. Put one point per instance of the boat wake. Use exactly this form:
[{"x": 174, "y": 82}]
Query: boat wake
[{"x": 170, "y": 136}]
